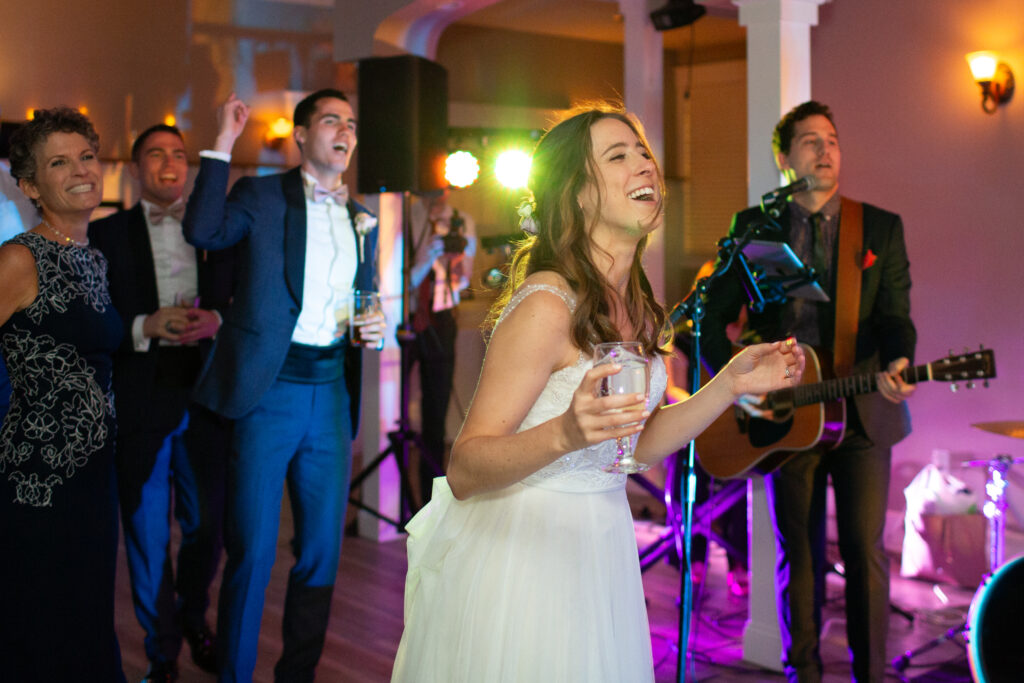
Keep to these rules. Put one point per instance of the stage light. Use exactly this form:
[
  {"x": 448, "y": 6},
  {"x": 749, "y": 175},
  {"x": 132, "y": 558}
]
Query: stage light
[
  {"x": 461, "y": 169},
  {"x": 994, "y": 77},
  {"x": 169, "y": 120},
  {"x": 277, "y": 133},
  {"x": 512, "y": 168}
]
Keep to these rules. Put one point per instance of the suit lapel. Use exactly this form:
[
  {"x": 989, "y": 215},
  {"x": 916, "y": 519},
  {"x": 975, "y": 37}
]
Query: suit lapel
[
  {"x": 142, "y": 253},
  {"x": 294, "y": 233},
  {"x": 362, "y": 251}
]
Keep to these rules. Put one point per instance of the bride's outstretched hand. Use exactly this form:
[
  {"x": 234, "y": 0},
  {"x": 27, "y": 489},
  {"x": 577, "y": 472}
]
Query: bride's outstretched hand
[
  {"x": 761, "y": 368},
  {"x": 592, "y": 418}
]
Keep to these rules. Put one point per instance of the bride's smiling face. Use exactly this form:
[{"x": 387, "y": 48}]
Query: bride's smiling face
[{"x": 625, "y": 194}]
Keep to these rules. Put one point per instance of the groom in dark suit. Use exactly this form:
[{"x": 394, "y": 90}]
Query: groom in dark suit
[
  {"x": 806, "y": 144},
  {"x": 168, "y": 296},
  {"x": 284, "y": 370}
]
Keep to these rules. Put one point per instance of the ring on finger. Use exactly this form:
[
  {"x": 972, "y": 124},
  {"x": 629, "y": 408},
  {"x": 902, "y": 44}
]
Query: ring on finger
[{"x": 789, "y": 372}]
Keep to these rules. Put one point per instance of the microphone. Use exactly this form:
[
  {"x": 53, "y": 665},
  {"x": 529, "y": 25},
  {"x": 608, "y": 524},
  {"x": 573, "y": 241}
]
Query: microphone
[{"x": 803, "y": 185}]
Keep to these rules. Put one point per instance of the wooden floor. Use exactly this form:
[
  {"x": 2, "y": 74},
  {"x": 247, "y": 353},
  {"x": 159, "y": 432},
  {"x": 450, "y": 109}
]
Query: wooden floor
[{"x": 366, "y": 623}]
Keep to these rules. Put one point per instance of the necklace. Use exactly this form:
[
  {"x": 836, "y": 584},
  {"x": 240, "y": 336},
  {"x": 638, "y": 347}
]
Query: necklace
[{"x": 67, "y": 239}]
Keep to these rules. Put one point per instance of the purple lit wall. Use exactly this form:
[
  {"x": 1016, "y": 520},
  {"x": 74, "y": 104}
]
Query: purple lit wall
[{"x": 915, "y": 141}]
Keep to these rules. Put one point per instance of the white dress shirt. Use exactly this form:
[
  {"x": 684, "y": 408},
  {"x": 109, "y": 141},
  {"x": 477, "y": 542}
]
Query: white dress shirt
[
  {"x": 177, "y": 276},
  {"x": 331, "y": 262},
  {"x": 17, "y": 212}
]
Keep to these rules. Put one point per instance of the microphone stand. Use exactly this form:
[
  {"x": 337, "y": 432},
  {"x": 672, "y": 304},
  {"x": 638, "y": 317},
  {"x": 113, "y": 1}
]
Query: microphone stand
[{"x": 730, "y": 253}]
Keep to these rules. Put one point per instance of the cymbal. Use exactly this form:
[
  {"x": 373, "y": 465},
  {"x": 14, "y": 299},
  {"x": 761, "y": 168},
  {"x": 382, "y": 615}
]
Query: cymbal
[{"x": 1011, "y": 428}]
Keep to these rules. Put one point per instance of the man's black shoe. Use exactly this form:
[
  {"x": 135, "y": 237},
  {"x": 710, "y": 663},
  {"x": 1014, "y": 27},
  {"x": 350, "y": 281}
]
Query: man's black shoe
[
  {"x": 161, "y": 672},
  {"x": 203, "y": 644}
]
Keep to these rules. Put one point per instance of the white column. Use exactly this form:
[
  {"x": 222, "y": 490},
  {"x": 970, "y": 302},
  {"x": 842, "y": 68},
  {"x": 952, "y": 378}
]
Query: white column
[
  {"x": 778, "y": 78},
  {"x": 643, "y": 72},
  {"x": 381, "y": 377}
]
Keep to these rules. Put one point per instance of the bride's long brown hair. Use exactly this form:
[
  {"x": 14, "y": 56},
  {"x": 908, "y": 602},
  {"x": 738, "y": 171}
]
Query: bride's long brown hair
[{"x": 563, "y": 163}]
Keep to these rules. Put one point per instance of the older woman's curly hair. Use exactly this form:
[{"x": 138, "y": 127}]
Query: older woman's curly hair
[
  {"x": 27, "y": 140},
  {"x": 563, "y": 163}
]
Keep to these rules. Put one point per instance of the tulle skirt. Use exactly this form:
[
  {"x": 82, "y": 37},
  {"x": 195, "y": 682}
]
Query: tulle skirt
[{"x": 524, "y": 584}]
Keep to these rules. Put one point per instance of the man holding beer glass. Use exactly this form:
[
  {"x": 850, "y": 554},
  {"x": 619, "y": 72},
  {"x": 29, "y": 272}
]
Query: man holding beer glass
[{"x": 283, "y": 369}]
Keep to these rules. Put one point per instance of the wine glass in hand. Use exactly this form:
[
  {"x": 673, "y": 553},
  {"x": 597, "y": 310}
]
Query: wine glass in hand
[{"x": 632, "y": 378}]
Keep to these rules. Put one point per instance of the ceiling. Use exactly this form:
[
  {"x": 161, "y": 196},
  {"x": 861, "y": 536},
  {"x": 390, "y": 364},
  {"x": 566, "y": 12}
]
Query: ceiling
[{"x": 600, "y": 20}]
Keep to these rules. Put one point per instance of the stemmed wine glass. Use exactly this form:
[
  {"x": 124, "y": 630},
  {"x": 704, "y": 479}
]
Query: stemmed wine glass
[{"x": 631, "y": 379}]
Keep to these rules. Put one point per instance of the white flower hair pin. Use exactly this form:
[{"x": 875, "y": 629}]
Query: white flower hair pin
[
  {"x": 364, "y": 223},
  {"x": 526, "y": 221}
]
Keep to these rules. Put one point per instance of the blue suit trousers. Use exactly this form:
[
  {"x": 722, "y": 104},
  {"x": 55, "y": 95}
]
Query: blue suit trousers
[
  {"x": 189, "y": 466},
  {"x": 298, "y": 436}
]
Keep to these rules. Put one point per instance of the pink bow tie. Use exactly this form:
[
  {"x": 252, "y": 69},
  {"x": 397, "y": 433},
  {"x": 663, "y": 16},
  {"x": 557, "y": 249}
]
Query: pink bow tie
[
  {"x": 339, "y": 194},
  {"x": 157, "y": 213}
]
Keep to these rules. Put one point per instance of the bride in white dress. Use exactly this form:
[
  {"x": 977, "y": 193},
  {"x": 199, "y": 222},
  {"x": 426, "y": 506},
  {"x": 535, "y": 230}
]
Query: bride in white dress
[{"x": 523, "y": 566}]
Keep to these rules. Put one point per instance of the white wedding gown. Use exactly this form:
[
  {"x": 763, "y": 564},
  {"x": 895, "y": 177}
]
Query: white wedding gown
[{"x": 539, "y": 581}]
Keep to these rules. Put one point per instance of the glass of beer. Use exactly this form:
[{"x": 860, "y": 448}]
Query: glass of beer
[{"x": 363, "y": 305}]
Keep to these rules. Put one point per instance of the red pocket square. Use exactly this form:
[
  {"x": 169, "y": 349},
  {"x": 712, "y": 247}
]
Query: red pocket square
[{"x": 869, "y": 260}]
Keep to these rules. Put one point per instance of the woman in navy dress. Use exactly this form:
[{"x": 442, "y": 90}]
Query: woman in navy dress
[{"x": 58, "y": 536}]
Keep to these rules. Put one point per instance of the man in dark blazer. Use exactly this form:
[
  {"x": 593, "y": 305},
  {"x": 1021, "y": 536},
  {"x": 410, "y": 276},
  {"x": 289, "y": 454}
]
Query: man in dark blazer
[
  {"x": 284, "y": 370},
  {"x": 168, "y": 295},
  {"x": 806, "y": 144}
]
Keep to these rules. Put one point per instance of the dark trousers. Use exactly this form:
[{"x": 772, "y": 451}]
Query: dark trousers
[
  {"x": 171, "y": 456},
  {"x": 796, "y": 496},
  {"x": 189, "y": 464},
  {"x": 434, "y": 352},
  {"x": 298, "y": 436}
]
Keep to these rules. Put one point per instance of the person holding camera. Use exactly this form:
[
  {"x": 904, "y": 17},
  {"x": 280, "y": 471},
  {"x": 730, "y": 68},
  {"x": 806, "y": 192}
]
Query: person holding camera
[{"x": 444, "y": 245}]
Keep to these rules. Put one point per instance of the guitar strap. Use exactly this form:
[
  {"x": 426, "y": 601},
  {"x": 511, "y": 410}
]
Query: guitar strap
[{"x": 848, "y": 276}]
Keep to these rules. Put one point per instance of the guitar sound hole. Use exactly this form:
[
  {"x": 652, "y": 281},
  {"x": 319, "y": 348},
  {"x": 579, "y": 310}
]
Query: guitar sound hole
[{"x": 764, "y": 433}]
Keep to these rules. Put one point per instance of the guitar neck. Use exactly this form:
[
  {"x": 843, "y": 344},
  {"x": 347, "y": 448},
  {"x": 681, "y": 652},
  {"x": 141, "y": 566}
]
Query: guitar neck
[{"x": 845, "y": 387}]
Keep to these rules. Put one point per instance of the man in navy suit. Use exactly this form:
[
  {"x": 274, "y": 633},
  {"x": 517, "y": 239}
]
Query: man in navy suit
[
  {"x": 806, "y": 144},
  {"x": 168, "y": 296},
  {"x": 284, "y": 370}
]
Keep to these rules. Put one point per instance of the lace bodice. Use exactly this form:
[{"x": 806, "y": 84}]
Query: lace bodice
[
  {"x": 58, "y": 356},
  {"x": 579, "y": 470}
]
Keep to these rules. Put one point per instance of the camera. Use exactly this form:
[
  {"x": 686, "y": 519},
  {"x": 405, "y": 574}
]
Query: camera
[{"x": 455, "y": 242}]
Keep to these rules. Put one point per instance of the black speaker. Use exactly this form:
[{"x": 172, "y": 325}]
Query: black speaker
[
  {"x": 676, "y": 13},
  {"x": 403, "y": 124}
]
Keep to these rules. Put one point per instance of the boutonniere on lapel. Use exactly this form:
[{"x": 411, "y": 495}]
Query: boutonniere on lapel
[
  {"x": 364, "y": 223},
  {"x": 869, "y": 260}
]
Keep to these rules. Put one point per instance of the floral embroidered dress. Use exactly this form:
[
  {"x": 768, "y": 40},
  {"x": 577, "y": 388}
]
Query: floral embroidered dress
[
  {"x": 539, "y": 581},
  {"x": 58, "y": 507}
]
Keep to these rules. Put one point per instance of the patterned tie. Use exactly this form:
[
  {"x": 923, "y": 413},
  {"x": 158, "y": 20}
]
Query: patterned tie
[
  {"x": 338, "y": 194},
  {"x": 157, "y": 213},
  {"x": 818, "y": 259},
  {"x": 821, "y": 261}
]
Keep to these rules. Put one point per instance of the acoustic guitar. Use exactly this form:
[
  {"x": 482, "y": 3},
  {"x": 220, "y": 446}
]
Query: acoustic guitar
[{"x": 813, "y": 414}]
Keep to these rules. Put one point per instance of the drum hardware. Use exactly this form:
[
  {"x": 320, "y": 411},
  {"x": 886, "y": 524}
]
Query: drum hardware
[
  {"x": 1011, "y": 428},
  {"x": 995, "y": 511}
]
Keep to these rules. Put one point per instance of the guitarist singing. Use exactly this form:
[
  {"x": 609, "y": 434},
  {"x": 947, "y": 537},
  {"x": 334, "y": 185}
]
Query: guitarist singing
[{"x": 881, "y": 335}]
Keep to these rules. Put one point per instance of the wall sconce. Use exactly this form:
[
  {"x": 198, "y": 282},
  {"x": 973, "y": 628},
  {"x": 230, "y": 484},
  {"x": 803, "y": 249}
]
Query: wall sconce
[
  {"x": 994, "y": 77},
  {"x": 277, "y": 132}
]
